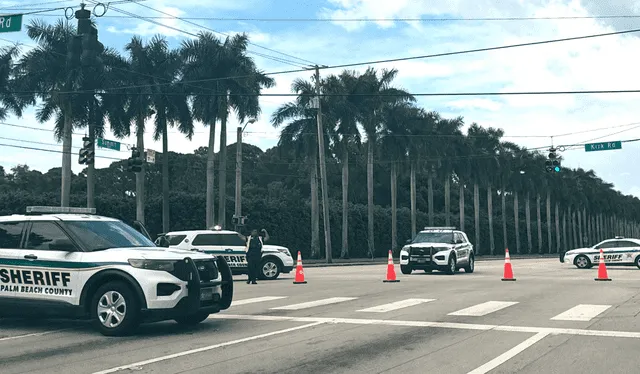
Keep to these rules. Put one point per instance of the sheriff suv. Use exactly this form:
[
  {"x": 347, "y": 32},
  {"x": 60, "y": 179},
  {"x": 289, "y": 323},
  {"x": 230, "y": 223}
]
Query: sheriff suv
[
  {"x": 228, "y": 244},
  {"x": 438, "y": 248},
  {"x": 69, "y": 262},
  {"x": 619, "y": 251}
]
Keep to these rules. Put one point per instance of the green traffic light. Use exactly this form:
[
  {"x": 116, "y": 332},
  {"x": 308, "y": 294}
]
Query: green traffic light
[{"x": 557, "y": 169}]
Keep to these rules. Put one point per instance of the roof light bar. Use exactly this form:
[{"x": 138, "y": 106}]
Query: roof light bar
[
  {"x": 439, "y": 228},
  {"x": 59, "y": 210}
]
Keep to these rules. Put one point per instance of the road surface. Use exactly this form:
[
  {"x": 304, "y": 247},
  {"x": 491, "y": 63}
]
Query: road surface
[{"x": 552, "y": 319}]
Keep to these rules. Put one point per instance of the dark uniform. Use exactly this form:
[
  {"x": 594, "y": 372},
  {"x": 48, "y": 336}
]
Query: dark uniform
[{"x": 254, "y": 256}]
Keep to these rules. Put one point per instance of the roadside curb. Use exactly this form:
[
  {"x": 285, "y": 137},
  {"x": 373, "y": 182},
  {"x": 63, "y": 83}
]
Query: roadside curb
[{"x": 381, "y": 261}]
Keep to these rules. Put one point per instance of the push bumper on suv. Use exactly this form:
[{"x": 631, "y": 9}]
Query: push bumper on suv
[{"x": 425, "y": 257}]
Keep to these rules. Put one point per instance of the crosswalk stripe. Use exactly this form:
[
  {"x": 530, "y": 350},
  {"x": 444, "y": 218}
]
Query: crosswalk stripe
[
  {"x": 582, "y": 312},
  {"x": 395, "y": 306},
  {"x": 483, "y": 309},
  {"x": 256, "y": 300},
  {"x": 311, "y": 304}
]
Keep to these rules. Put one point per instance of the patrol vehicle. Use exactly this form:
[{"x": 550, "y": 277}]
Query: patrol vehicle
[
  {"x": 69, "y": 262},
  {"x": 438, "y": 248},
  {"x": 228, "y": 244},
  {"x": 617, "y": 252}
]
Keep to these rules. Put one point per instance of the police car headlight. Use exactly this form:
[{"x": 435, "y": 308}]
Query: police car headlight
[
  {"x": 161, "y": 265},
  {"x": 285, "y": 251}
]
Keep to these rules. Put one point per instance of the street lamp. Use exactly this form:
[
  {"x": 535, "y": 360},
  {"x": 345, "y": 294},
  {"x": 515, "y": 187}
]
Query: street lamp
[{"x": 238, "y": 209}]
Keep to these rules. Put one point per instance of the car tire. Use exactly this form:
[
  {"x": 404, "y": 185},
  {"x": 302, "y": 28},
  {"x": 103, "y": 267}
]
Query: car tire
[
  {"x": 405, "y": 269},
  {"x": 115, "y": 309},
  {"x": 638, "y": 262},
  {"x": 451, "y": 265},
  {"x": 471, "y": 265},
  {"x": 193, "y": 319},
  {"x": 582, "y": 262},
  {"x": 269, "y": 269}
]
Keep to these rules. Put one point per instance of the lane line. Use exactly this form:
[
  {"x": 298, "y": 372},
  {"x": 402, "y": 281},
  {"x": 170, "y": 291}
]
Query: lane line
[
  {"x": 138, "y": 365},
  {"x": 395, "y": 306},
  {"x": 444, "y": 325},
  {"x": 582, "y": 312},
  {"x": 311, "y": 304},
  {"x": 509, "y": 354},
  {"x": 33, "y": 334},
  {"x": 256, "y": 300},
  {"x": 483, "y": 309}
]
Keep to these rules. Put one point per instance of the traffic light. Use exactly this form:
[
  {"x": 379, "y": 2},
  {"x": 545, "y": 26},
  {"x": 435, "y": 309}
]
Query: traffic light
[
  {"x": 86, "y": 156},
  {"x": 134, "y": 163},
  {"x": 91, "y": 48},
  {"x": 74, "y": 49},
  {"x": 552, "y": 165}
]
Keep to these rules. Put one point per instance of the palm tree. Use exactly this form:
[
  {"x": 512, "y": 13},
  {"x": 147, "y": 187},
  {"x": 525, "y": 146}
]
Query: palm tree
[
  {"x": 419, "y": 130},
  {"x": 9, "y": 101}
]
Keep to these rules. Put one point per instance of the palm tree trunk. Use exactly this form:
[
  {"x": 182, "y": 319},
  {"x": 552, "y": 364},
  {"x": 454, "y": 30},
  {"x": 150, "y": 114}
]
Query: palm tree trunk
[
  {"x": 476, "y": 214},
  {"x": 581, "y": 234},
  {"x": 140, "y": 177},
  {"x": 492, "y": 243},
  {"x": 412, "y": 182},
  {"x": 557, "y": 227},
  {"x": 527, "y": 207},
  {"x": 503, "y": 197},
  {"x": 65, "y": 188},
  {"x": 211, "y": 169},
  {"x": 430, "y": 197},
  {"x": 540, "y": 246},
  {"x": 222, "y": 178},
  {"x": 370, "y": 221},
  {"x": 165, "y": 174},
  {"x": 345, "y": 206},
  {"x": 447, "y": 200},
  {"x": 575, "y": 230},
  {"x": 549, "y": 241},
  {"x": 461, "y": 203},
  {"x": 516, "y": 219},
  {"x": 315, "y": 208},
  {"x": 91, "y": 168},
  {"x": 565, "y": 237},
  {"x": 394, "y": 207}
]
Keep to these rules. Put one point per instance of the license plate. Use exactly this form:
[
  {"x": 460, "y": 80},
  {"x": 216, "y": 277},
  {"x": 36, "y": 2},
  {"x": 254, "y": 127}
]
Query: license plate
[
  {"x": 206, "y": 294},
  {"x": 422, "y": 260}
]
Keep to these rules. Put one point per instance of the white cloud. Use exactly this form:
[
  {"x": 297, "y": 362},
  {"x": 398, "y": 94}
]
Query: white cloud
[{"x": 482, "y": 104}]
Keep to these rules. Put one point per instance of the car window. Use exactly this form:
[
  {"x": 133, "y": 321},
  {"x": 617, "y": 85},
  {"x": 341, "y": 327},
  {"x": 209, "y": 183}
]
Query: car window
[
  {"x": 175, "y": 239},
  {"x": 207, "y": 239},
  {"x": 232, "y": 240},
  {"x": 101, "y": 235},
  {"x": 10, "y": 234},
  {"x": 607, "y": 245},
  {"x": 43, "y": 234},
  {"x": 627, "y": 243},
  {"x": 434, "y": 237}
]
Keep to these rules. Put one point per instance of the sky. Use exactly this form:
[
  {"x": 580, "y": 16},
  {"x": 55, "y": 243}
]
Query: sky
[{"x": 320, "y": 35}]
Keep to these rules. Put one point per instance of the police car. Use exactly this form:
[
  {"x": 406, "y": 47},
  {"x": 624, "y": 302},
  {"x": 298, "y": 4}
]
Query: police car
[
  {"x": 438, "y": 248},
  {"x": 228, "y": 244},
  {"x": 69, "y": 262},
  {"x": 618, "y": 251}
]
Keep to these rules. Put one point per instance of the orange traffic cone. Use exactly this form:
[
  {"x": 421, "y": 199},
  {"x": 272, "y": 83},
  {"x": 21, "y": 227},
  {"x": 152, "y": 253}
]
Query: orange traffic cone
[
  {"x": 299, "y": 271},
  {"x": 602, "y": 269},
  {"x": 391, "y": 271},
  {"x": 508, "y": 272}
]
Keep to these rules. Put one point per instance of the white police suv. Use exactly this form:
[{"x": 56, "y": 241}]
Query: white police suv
[
  {"x": 228, "y": 244},
  {"x": 438, "y": 248},
  {"x": 617, "y": 252},
  {"x": 69, "y": 262}
]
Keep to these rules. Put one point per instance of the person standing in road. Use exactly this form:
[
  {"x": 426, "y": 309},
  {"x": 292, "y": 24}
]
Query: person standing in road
[{"x": 254, "y": 253}]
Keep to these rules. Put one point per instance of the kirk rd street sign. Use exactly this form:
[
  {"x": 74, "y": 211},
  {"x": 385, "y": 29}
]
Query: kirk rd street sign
[
  {"x": 603, "y": 146},
  {"x": 11, "y": 23}
]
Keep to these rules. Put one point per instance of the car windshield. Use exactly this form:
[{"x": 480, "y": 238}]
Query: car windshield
[
  {"x": 101, "y": 235},
  {"x": 433, "y": 237}
]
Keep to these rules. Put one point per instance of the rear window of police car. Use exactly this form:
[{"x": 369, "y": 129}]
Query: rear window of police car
[{"x": 218, "y": 239}]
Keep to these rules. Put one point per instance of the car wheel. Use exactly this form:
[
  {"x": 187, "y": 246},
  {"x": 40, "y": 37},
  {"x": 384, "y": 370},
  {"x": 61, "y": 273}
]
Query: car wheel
[
  {"x": 115, "y": 309},
  {"x": 405, "y": 269},
  {"x": 582, "y": 262},
  {"x": 269, "y": 269},
  {"x": 451, "y": 265},
  {"x": 471, "y": 266},
  {"x": 193, "y": 319},
  {"x": 638, "y": 262}
]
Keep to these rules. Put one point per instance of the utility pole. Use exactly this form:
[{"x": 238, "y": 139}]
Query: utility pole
[{"x": 323, "y": 173}]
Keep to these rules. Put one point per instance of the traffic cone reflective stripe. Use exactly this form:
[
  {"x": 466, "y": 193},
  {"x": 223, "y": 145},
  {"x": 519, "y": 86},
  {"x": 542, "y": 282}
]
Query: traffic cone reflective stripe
[
  {"x": 508, "y": 271},
  {"x": 391, "y": 271},
  {"x": 299, "y": 271},
  {"x": 602, "y": 269}
]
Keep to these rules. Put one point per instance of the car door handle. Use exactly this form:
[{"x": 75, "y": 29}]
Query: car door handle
[{"x": 31, "y": 257}]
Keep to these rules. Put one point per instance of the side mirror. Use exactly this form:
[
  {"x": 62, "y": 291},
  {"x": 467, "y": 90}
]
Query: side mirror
[
  {"x": 459, "y": 241},
  {"x": 62, "y": 244},
  {"x": 163, "y": 242}
]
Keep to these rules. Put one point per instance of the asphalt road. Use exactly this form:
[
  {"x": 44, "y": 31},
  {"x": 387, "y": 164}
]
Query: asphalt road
[{"x": 553, "y": 319}]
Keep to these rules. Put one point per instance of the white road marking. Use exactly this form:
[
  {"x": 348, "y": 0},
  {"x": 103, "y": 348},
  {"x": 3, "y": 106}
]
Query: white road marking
[
  {"x": 257, "y": 300},
  {"x": 395, "y": 306},
  {"x": 139, "y": 364},
  {"x": 30, "y": 335},
  {"x": 311, "y": 304},
  {"x": 444, "y": 325},
  {"x": 509, "y": 354},
  {"x": 483, "y": 309},
  {"x": 582, "y": 312}
]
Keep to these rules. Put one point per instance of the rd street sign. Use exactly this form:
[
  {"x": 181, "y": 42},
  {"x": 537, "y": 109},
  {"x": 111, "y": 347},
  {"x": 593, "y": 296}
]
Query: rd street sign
[
  {"x": 604, "y": 146},
  {"x": 109, "y": 144},
  {"x": 11, "y": 23}
]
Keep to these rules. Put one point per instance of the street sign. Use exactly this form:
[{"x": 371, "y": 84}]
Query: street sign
[
  {"x": 604, "y": 146},
  {"x": 151, "y": 156},
  {"x": 109, "y": 144},
  {"x": 11, "y": 23}
]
